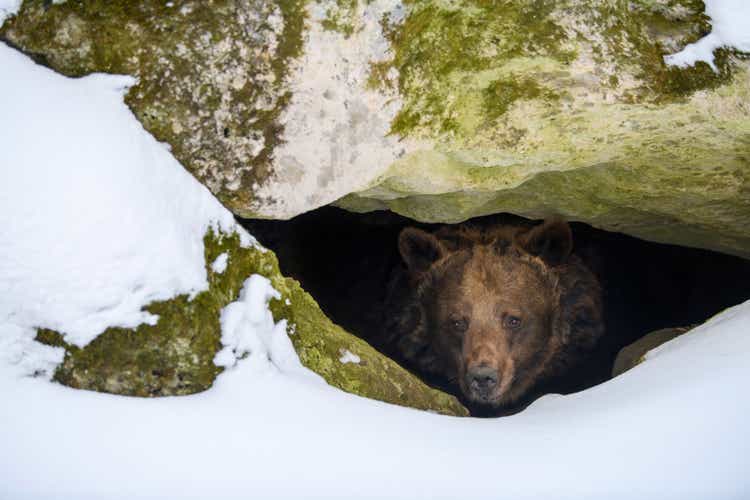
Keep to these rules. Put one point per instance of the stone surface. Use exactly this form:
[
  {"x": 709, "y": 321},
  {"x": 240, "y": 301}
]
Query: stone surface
[
  {"x": 175, "y": 356},
  {"x": 210, "y": 73},
  {"x": 568, "y": 108},
  {"x": 633, "y": 354},
  {"x": 439, "y": 110}
]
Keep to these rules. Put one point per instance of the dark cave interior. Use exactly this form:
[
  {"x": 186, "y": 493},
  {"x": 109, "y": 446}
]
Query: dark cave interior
[{"x": 344, "y": 261}]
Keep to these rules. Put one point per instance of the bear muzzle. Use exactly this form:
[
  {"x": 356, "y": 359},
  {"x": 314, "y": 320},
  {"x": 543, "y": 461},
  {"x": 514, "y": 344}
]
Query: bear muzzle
[{"x": 482, "y": 381}]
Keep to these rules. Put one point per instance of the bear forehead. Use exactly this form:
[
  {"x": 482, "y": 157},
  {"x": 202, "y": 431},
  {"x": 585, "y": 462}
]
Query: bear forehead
[
  {"x": 485, "y": 274},
  {"x": 509, "y": 270}
]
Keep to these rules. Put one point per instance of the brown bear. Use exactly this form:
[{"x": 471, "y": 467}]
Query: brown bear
[{"x": 494, "y": 312}]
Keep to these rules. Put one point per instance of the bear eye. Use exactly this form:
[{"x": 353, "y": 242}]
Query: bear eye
[
  {"x": 458, "y": 324},
  {"x": 512, "y": 322}
]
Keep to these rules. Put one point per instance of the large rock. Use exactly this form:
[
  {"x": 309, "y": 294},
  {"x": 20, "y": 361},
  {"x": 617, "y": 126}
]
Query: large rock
[
  {"x": 438, "y": 110},
  {"x": 632, "y": 355},
  {"x": 176, "y": 355}
]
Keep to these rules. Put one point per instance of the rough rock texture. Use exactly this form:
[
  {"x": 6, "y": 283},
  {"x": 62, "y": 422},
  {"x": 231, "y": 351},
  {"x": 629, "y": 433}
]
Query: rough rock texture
[
  {"x": 440, "y": 110},
  {"x": 175, "y": 356},
  {"x": 634, "y": 354},
  {"x": 209, "y": 73},
  {"x": 542, "y": 107}
]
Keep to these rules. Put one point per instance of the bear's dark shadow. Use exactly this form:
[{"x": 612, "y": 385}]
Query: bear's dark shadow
[{"x": 344, "y": 260}]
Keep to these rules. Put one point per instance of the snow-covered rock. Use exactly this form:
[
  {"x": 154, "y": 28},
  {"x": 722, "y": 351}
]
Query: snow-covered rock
[
  {"x": 123, "y": 266},
  {"x": 438, "y": 110},
  {"x": 672, "y": 428}
]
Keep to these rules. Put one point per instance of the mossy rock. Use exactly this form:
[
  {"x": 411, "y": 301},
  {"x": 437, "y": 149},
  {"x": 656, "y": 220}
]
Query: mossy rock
[
  {"x": 175, "y": 356},
  {"x": 545, "y": 107},
  {"x": 634, "y": 354},
  {"x": 528, "y": 107},
  {"x": 209, "y": 73}
]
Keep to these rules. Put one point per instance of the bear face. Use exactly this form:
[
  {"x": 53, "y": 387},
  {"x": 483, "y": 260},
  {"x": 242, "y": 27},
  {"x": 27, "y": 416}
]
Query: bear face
[{"x": 495, "y": 312}]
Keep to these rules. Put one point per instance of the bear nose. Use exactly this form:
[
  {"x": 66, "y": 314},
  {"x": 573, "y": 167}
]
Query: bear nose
[{"x": 482, "y": 379}]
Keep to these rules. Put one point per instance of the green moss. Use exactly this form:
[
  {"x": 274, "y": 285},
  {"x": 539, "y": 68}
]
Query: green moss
[
  {"x": 378, "y": 76},
  {"x": 207, "y": 78},
  {"x": 438, "y": 41},
  {"x": 291, "y": 42},
  {"x": 674, "y": 83},
  {"x": 52, "y": 338},
  {"x": 175, "y": 356},
  {"x": 465, "y": 70},
  {"x": 321, "y": 343},
  {"x": 445, "y": 51},
  {"x": 500, "y": 94},
  {"x": 341, "y": 17},
  {"x": 636, "y": 33},
  {"x": 680, "y": 192}
]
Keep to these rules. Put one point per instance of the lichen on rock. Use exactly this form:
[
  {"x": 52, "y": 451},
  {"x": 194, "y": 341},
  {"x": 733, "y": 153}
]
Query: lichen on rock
[
  {"x": 440, "y": 110},
  {"x": 568, "y": 107},
  {"x": 210, "y": 75},
  {"x": 336, "y": 124},
  {"x": 175, "y": 356}
]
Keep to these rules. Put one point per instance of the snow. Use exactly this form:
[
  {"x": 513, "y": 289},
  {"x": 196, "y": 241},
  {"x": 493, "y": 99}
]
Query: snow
[
  {"x": 730, "y": 21},
  {"x": 97, "y": 219},
  {"x": 22, "y": 356},
  {"x": 672, "y": 428},
  {"x": 8, "y": 7},
  {"x": 248, "y": 330},
  {"x": 220, "y": 264},
  {"x": 346, "y": 356}
]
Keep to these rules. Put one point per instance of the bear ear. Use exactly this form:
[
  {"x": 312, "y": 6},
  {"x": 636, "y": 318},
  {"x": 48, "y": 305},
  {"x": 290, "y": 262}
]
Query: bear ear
[
  {"x": 419, "y": 249},
  {"x": 552, "y": 241}
]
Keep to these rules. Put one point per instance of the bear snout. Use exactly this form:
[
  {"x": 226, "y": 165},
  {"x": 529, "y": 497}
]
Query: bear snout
[{"x": 481, "y": 381}]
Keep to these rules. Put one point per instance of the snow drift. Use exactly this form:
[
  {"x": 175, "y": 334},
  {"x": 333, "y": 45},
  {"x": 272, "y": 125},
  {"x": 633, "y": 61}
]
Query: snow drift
[{"x": 98, "y": 220}]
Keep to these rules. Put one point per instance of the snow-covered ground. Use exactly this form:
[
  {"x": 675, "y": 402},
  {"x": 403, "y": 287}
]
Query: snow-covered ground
[{"x": 97, "y": 219}]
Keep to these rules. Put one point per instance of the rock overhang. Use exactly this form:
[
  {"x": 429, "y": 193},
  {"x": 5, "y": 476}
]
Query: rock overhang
[{"x": 440, "y": 111}]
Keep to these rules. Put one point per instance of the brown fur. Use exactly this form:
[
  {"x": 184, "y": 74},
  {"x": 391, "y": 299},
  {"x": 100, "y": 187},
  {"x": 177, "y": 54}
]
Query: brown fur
[{"x": 510, "y": 302}]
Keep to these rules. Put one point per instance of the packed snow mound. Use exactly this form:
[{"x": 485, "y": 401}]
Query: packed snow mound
[
  {"x": 730, "y": 23},
  {"x": 98, "y": 219},
  {"x": 673, "y": 427},
  {"x": 248, "y": 329}
]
